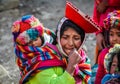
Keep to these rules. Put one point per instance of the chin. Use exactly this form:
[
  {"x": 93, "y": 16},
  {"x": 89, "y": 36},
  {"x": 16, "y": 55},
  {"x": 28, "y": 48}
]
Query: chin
[{"x": 67, "y": 53}]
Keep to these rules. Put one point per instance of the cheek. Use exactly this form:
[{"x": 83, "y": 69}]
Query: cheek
[
  {"x": 110, "y": 39},
  {"x": 63, "y": 42},
  {"x": 78, "y": 44},
  {"x": 38, "y": 43},
  {"x": 119, "y": 40},
  {"x": 112, "y": 70}
]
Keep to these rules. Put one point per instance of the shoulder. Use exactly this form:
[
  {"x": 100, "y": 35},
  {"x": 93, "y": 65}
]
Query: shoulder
[{"x": 104, "y": 52}]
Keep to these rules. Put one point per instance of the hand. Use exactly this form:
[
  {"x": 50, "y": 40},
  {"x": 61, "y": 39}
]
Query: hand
[
  {"x": 101, "y": 7},
  {"x": 73, "y": 60},
  {"x": 74, "y": 57},
  {"x": 100, "y": 41},
  {"x": 15, "y": 27}
]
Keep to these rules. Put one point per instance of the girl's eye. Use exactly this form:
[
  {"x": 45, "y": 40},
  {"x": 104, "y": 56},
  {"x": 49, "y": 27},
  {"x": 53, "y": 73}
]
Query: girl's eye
[
  {"x": 77, "y": 38},
  {"x": 64, "y": 37},
  {"x": 35, "y": 39},
  {"x": 30, "y": 43},
  {"x": 111, "y": 34},
  {"x": 114, "y": 64}
]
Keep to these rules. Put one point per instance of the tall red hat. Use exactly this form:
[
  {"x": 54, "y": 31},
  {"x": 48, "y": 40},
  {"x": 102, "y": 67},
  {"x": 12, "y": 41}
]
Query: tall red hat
[{"x": 82, "y": 20}]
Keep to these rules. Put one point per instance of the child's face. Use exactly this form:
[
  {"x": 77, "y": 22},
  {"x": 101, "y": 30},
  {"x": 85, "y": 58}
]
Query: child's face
[
  {"x": 114, "y": 36},
  {"x": 114, "y": 65},
  {"x": 37, "y": 42}
]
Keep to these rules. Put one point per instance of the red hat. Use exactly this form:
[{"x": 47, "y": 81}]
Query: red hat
[{"x": 82, "y": 20}]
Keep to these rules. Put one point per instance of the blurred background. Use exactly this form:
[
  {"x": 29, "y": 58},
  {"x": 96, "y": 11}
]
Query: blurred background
[{"x": 49, "y": 13}]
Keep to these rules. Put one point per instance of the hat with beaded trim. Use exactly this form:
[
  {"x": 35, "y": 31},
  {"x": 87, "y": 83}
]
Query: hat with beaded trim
[
  {"x": 81, "y": 19},
  {"x": 112, "y": 20}
]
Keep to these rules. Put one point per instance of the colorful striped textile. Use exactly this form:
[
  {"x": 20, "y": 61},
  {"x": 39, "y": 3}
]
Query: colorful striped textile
[
  {"x": 34, "y": 59},
  {"x": 83, "y": 70}
]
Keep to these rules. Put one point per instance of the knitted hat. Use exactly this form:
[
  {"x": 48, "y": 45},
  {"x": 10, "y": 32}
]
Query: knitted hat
[
  {"x": 27, "y": 22},
  {"x": 108, "y": 57},
  {"x": 82, "y": 20},
  {"x": 29, "y": 35},
  {"x": 112, "y": 20}
]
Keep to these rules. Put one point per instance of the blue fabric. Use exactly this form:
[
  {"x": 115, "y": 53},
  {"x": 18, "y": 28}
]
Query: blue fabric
[
  {"x": 108, "y": 77},
  {"x": 94, "y": 71},
  {"x": 25, "y": 17}
]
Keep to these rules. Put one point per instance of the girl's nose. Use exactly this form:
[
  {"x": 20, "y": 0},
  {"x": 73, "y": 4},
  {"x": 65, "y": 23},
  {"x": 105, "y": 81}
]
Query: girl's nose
[
  {"x": 71, "y": 43},
  {"x": 114, "y": 38}
]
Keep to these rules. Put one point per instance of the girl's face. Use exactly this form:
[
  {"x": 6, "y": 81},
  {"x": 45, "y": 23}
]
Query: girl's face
[
  {"x": 70, "y": 40},
  {"x": 114, "y": 65},
  {"x": 37, "y": 42},
  {"x": 114, "y": 36}
]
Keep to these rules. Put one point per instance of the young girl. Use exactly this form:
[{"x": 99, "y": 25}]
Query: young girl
[
  {"x": 101, "y": 9},
  {"x": 113, "y": 66},
  {"x": 112, "y": 24}
]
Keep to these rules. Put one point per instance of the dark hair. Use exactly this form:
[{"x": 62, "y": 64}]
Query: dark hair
[
  {"x": 118, "y": 57},
  {"x": 68, "y": 23}
]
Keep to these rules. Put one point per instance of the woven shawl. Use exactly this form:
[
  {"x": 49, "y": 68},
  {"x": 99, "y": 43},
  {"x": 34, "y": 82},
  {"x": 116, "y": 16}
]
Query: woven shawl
[{"x": 32, "y": 60}]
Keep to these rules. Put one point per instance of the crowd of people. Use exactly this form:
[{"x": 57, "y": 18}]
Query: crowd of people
[{"x": 47, "y": 57}]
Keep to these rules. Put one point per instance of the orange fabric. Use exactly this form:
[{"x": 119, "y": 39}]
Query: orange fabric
[{"x": 96, "y": 54}]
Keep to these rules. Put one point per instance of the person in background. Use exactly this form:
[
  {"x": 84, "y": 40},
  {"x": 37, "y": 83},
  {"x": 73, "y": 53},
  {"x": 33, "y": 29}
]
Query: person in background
[
  {"x": 113, "y": 66},
  {"x": 100, "y": 12},
  {"x": 112, "y": 24}
]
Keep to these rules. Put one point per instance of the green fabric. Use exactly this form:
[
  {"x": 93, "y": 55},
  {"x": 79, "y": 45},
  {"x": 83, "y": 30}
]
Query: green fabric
[{"x": 55, "y": 75}]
